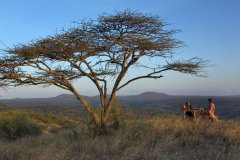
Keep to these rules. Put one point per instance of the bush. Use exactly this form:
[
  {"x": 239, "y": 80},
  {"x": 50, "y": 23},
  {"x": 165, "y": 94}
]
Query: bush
[{"x": 15, "y": 125}]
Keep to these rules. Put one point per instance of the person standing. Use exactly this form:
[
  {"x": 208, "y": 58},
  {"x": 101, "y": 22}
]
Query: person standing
[{"x": 211, "y": 110}]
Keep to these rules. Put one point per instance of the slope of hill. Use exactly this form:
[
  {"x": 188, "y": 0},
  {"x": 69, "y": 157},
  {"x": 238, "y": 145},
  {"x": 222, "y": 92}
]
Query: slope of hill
[{"x": 227, "y": 106}]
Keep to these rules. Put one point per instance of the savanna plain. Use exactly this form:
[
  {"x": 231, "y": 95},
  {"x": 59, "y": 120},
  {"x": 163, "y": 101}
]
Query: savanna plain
[{"x": 67, "y": 133}]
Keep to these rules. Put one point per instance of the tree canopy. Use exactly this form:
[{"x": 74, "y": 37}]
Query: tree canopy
[{"x": 109, "y": 46}]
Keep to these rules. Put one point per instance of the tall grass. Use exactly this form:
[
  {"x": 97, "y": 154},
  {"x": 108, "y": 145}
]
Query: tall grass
[
  {"x": 17, "y": 123},
  {"x": 165, "y": 137}
]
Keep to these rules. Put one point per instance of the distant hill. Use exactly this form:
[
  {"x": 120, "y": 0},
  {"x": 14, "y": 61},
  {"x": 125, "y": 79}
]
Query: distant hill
[{"x": 227, "y": 106}]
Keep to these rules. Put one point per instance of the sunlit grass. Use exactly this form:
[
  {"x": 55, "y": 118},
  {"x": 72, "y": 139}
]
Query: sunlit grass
[
  {"x": 14, "y": 122},
  {"x": 160, "y": 137}
]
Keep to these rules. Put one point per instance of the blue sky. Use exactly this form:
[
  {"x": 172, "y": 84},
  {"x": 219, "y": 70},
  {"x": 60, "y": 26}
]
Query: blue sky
[{"x": 210, "y": 28}]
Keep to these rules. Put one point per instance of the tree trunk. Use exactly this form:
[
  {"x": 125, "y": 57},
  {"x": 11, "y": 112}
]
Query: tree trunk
[{"x": 90, "y": 110}]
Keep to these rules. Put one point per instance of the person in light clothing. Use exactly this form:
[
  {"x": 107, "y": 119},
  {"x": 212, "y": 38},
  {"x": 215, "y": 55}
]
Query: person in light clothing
[{"x": 211, "y": 110}]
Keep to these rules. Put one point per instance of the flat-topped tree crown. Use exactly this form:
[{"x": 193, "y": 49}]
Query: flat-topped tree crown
[{"x": 107, "y": 47}]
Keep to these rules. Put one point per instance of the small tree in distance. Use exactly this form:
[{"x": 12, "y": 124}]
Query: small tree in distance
[{"x": 110, "y": 46}]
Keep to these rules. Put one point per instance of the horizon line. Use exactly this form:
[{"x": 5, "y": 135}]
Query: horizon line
[{"x": 122, "y": 95}]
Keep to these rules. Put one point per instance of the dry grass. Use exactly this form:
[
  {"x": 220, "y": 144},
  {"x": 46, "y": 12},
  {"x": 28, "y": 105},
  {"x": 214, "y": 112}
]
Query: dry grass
[
  {"x": 47, "y": 121},
  {"x": 165, "y": 137}
]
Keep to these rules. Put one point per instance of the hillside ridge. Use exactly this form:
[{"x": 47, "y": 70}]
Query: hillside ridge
[{"x": 227, "y": 106}]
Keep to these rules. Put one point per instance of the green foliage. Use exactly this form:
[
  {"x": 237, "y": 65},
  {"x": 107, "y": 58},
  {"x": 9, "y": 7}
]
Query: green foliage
[{"x": 15, "y": 125}]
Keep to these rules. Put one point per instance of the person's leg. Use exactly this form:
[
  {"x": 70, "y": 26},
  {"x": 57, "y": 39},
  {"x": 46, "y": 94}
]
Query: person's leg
[{"x": 213, "y": 117}]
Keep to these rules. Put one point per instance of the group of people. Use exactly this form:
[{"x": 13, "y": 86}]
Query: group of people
[{"x": 189, "y": 111}]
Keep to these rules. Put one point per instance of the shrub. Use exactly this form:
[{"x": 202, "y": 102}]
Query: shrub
[{"x": 15, "y": 125}]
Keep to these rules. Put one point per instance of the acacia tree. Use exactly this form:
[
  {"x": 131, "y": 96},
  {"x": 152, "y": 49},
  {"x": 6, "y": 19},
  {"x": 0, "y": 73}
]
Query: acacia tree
[{"x": 107, "y": 47}]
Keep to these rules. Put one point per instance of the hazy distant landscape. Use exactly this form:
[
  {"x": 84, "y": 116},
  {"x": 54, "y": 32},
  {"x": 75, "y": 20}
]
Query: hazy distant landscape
[{"x": 149, "y": 102}]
